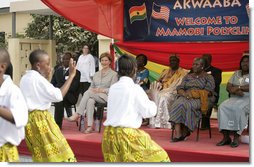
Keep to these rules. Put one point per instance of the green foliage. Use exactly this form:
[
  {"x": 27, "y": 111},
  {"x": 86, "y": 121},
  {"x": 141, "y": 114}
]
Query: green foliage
[
  {"x": 67, "y": 35},
  {"x": 3, "y": 45},
  {"x": 2, "y": 40}
]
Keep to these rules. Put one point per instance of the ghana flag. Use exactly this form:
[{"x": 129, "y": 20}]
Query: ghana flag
[{"x": 137, "y": 13}]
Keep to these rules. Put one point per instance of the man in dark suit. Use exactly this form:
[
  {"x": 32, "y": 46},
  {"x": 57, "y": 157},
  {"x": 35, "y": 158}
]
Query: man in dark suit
[
  {"x": 216, "y": 73},
  {"x": 71, "y": 98},
  {"x": 9, "y": 70}
]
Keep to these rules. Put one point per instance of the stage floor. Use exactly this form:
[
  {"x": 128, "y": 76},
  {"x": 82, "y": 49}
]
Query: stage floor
[{"x": 87, "y": 147}]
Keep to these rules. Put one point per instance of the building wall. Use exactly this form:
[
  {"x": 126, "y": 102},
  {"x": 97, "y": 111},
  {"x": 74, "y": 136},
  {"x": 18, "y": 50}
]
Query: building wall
[
  {"x": 20, "y": 49},
  {"x": 104, "y": 45},
  {"x": 22, "y": 20}
]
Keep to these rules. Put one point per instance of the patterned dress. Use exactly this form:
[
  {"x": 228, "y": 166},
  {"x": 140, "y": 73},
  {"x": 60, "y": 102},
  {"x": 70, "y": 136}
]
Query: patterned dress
[
  {"x": 9, "y": 153},
  {"x": 233, "y": 113},
  {"x": 170, "y": 80},
  {"x": 188, "y": 111},
  {"x": 45, "y": 140},
  {"x": 121, "y": 144},
  {"x": 43, "y": 137},
  {"x": 122, "y": 140}
]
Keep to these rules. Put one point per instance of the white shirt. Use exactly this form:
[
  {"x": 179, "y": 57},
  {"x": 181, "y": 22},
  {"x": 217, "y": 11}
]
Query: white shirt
[
  {"x": 128, "y": 104},
  {"x": 12, "y": 98},
  {"x": 38, "y": 91},
  {"x": 86, "y": 67}
]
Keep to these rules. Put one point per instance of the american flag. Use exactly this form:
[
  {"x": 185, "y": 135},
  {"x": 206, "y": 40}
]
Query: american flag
[{"x": 160, "y": 12}]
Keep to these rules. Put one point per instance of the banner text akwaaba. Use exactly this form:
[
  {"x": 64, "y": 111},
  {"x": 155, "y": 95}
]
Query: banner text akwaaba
[{"x": 186, "y": 20}]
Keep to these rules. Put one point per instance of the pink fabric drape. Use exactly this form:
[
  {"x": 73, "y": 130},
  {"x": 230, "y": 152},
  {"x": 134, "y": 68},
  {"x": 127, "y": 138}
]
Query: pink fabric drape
[{"x": 100, "y": 16}]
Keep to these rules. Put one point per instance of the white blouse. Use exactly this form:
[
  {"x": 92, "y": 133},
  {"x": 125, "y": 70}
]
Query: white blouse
[
  {"x": 38, "y": 91},
  {"x": 86, "y": 66},
  {"x": 12, "y": 98},
  {"x": 128, "y": 104}
]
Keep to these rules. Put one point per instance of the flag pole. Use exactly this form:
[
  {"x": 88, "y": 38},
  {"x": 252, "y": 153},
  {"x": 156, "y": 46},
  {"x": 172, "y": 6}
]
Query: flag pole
[
  {"x": 147, "y": 22},
  {"x": 149, "y": 27}
]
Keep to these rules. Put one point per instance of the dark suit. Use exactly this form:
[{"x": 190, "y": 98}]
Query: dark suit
[
  {"x": 9, "y": 70},
  {"x": 216, "y": 73},
  {"x": 71, "y": 97}
]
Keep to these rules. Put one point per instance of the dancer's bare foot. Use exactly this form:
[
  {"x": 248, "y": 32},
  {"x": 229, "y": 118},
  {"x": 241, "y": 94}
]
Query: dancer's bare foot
[{"x": 74, "y": 117}]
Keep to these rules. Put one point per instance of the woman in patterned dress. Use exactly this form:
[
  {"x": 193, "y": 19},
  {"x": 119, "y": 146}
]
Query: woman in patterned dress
[{"x": 194, "y": 94}]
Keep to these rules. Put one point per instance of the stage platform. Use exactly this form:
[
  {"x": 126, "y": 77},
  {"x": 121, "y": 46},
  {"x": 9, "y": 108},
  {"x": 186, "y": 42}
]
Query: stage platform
[{"x": 87, "y": 147}]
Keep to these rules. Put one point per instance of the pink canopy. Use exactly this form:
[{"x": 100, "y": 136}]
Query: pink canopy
[{"x": 106, "y": 17}]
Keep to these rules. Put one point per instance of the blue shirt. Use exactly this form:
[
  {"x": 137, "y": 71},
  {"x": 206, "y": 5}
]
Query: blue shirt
[{"x": 143, "y": 76}]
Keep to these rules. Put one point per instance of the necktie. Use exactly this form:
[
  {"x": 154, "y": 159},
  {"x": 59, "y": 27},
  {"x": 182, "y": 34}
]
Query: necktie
[{"x": 64, "y": 71}]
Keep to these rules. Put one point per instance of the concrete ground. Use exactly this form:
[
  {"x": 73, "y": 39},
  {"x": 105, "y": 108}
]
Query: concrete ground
[{"x": 23, "y": 158}]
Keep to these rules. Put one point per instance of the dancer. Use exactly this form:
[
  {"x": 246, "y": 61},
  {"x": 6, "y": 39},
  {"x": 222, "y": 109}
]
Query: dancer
[
  {"x": 13, "y": 113},
  {"x": 127, "y": 105},
  {"x": 43, "y": 136}
]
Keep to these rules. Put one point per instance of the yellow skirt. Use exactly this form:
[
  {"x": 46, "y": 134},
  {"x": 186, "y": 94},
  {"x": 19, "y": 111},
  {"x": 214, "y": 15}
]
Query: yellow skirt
[
  {"x": 130, "y": 145},
  {"x": 9, "y": 153},
  {"x": 45, "y": 140}
]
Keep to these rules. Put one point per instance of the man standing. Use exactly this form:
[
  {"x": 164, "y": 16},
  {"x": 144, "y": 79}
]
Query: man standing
[
  {"x": 9, "y": 70},
  {"x": 71, "y": 98},
  {"x": 86, "y": 66},
  {"x": 216, "y": 73}
]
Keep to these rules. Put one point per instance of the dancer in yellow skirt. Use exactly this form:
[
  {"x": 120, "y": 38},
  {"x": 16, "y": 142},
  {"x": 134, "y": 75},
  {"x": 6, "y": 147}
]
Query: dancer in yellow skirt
[
  {"x": 43, "y": 137},
  {"x": 127, "y": 105},
  {"x": 13, "y": 113}
]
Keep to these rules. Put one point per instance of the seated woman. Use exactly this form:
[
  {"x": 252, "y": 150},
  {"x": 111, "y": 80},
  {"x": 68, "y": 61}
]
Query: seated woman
[
  {"x": 233, "y": 113},
  {"x": 194, "y": 96},
  {"x": 169, "y": 80},
  {"x": 142, "y": 73},
  {"x": 142, "y": 77},
  {"x": 98, "y": 91}
]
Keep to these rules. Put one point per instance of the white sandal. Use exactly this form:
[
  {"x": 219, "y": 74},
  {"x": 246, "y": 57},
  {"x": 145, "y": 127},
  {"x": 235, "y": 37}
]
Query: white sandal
[{"x": 88, "y": 130}]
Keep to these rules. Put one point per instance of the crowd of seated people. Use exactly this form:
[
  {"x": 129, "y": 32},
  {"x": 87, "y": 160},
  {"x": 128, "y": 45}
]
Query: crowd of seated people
[
  {"x": 184, "y": 96},
  {"x": 178, "y": 97}
]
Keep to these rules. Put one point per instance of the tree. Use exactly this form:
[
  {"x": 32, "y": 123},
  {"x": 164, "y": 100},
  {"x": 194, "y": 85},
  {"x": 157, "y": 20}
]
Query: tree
[
  {"x": 67, "y": 35},
  {"x": 2, "y": 40}
]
